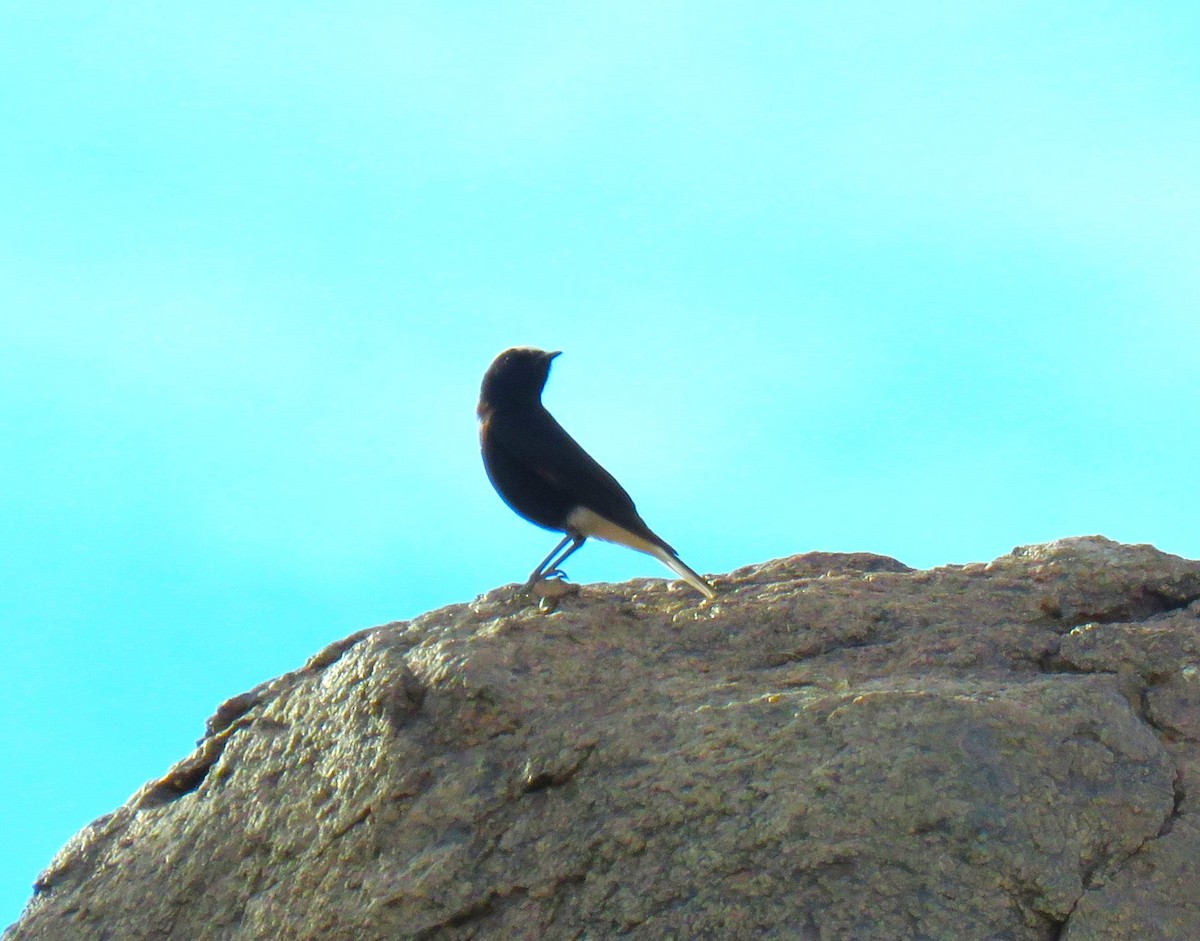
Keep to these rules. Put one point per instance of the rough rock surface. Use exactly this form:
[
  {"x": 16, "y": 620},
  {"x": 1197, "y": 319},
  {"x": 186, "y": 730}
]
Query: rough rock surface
[{"x": 838, "y": 748}]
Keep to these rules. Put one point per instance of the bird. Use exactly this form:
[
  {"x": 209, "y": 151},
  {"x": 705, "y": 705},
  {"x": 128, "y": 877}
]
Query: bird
[{"x": 544, "y": 475}]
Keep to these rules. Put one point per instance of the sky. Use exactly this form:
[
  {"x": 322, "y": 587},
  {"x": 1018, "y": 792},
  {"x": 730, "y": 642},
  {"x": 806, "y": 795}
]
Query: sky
[{"x": 916, "y": 279}]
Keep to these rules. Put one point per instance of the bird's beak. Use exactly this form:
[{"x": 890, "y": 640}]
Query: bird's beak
[{"x": 550, "y": 356}]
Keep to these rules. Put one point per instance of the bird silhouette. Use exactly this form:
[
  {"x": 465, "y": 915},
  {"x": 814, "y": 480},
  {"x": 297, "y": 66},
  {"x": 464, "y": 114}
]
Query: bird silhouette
[{"x": 543, "y": 474}]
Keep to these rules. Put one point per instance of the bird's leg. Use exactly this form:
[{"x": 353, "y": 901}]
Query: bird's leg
[
  {"x": 545, "y": 563},
  {"x": 554, "y": 571},
  {"x": 549, "y": 567}
]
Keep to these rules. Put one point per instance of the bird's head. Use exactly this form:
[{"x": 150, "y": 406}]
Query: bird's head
[{"x": 516, "y": 377}]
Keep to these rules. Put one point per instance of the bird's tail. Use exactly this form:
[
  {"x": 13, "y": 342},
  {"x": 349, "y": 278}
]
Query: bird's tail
[
  {"x": 585, "y": 522},
  {"x": 676, "y": 565}
]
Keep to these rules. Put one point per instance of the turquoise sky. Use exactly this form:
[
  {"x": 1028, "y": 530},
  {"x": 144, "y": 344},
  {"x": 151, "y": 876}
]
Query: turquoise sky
[{"x": 919, "y": 279}]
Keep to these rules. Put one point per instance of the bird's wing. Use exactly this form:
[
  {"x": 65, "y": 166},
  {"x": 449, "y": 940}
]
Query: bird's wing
[{"x": 545, "y": 449}]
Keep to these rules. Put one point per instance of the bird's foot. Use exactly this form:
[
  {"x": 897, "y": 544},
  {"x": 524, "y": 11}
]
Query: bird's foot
[
  {"x": 555, "y": 575},
  {"x": 547, "y": 589}
]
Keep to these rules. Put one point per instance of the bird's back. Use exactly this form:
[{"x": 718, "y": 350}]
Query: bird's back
[{"x": 544, "y": 474}]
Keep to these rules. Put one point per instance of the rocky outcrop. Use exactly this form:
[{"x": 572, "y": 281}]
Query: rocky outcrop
[{"x": 838, "y": 748}]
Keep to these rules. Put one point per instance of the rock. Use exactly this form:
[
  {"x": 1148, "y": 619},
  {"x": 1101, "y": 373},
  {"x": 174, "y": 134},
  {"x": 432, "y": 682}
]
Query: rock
[{"x": 837, "y": 748}]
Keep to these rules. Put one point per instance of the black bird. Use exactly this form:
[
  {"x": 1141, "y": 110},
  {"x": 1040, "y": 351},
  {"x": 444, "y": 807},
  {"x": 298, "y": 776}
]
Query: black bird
[{"x": 545, "y": 476}]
